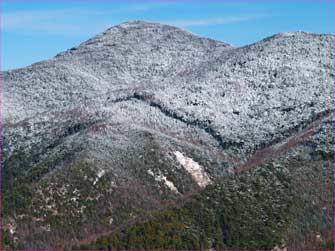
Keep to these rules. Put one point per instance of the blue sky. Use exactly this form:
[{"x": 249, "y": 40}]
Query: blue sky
[{"x": 37, "y": 30}]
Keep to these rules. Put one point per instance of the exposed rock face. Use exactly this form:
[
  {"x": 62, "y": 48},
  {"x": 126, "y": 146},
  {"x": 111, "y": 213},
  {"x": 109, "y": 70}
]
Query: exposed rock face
[{"x": 93, "y": 133}]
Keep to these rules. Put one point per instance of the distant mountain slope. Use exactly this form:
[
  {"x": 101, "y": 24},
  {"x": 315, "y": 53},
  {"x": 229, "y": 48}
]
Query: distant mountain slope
[{"x": 145, "y": 114}]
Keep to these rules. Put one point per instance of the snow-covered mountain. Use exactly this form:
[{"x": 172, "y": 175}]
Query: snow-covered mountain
[{"x": 145, "y": 114}]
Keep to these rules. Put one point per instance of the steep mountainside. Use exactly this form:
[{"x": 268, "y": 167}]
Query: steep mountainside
[{"x": 146, "y": 118}]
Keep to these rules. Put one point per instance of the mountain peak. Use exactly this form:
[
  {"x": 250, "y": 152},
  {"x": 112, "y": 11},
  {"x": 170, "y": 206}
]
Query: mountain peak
[
  {"x": 144, "y": 35},
  {"x": 294, "y": 35},
  {"x": 149, "y": 27},
  {"x": 139, "y": 23},
  {"x": 143, "y": 116}
]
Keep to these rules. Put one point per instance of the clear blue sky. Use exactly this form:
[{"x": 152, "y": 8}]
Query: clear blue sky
[{"x": 37, "y": 30}]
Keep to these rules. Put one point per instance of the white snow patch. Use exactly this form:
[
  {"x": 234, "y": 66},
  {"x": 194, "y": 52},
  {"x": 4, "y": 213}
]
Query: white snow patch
[
  {"x": 197, "y": 172},
  {"x": 99, "y": 175},
  {"x": 161, "y": 177},
  {"x": 12, "y": 228},
  {"x": 170, "y": 185},
  {"x": 151, "y": 173},
  {"x": 74, "y": 199}
]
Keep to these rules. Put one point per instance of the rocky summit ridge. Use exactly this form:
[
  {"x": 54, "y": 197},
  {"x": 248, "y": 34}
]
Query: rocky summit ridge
[{"x": 144, "y": 114}]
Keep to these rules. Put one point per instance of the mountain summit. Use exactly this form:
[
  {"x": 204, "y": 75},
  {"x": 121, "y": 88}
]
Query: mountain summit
[{"x": 143, "y": 116}]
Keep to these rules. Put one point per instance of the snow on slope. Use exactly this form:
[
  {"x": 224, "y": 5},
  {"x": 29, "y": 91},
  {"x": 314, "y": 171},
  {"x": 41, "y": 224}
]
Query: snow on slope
[
  {"x": 124, "y": 100},
  {"x": 246, "y": 97},
  {"x": 197, "y": 172}
]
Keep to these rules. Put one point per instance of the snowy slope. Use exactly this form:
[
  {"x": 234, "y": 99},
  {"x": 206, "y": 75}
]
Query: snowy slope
[{"x": 125, "y": 102}]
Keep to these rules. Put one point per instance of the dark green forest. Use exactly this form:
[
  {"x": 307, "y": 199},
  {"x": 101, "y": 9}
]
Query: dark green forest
[{"x": 239, "y": 213}]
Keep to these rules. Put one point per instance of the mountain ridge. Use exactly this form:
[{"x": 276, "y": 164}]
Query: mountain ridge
[
  {"x": 141, "y": 114},
  {"x": 143, "y": 24}
]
